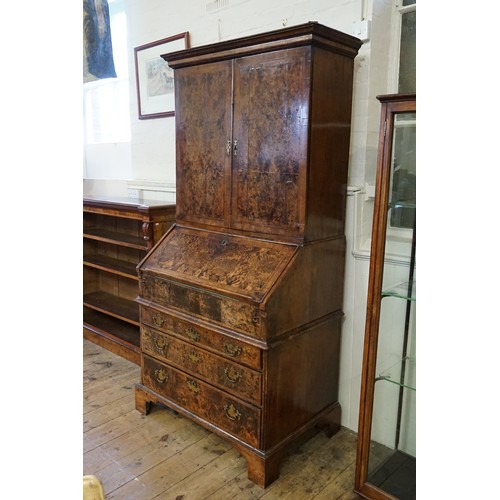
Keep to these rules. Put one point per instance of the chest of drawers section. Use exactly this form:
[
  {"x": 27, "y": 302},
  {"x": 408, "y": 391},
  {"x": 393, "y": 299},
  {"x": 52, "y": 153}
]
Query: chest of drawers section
[
  {"x": 234, "y": 336},
  {"x": 216, "y": 378}
]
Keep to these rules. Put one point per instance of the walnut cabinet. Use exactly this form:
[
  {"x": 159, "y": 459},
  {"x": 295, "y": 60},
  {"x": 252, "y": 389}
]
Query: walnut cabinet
[
  {"x": 241, "y": 301},
  {"x": 117, "y": 234}
]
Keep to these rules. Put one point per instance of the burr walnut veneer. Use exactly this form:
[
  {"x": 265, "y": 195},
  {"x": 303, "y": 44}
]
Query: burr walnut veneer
[{"x": 240, "y": 302}]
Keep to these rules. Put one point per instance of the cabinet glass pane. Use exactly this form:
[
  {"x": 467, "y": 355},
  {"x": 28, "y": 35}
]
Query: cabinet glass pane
[
  {"x": 403, "y": 180},
  {"x": 392, "y": 455},
  {"x": 407, "y": 54}
]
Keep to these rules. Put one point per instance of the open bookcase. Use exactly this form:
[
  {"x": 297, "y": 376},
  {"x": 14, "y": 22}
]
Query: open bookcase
[{"x": 117, "y": 234}]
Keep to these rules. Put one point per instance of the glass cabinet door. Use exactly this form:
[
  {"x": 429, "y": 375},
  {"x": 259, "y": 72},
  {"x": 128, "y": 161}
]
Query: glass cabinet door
[{"x": 386, "y": 458}]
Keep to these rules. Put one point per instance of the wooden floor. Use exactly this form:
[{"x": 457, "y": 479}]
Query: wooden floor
[{"x": 165, "y": 456}]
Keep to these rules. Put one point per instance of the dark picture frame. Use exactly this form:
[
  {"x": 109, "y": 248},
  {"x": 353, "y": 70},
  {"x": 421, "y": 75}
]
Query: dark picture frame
[{"x": 154, "y": 78}]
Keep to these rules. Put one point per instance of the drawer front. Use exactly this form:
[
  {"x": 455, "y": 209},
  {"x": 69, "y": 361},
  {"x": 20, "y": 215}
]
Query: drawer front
[
  {"x": 240, "y": 381},
  {"x": 226, "y": 346},
  {"x": 228, "y": 312},
  {"x": 228, "y": 413}
]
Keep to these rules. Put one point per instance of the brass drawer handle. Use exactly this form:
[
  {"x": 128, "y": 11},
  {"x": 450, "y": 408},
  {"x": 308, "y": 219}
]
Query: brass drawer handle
[
  {"x": 255, "y": 317},
  {"x": 158, "y": 319},
  {"x": 161, "y": 344},
  {"x": 193, "y": 334},
  {"x": 232, "y": 374},
  {"x": 193, "y": 386},
  {"x": 161, "y": 376},
  {"x": 231, "y": 412},
  {"x": 194, "y": 357},
  {"x": 232, "y": 350}
]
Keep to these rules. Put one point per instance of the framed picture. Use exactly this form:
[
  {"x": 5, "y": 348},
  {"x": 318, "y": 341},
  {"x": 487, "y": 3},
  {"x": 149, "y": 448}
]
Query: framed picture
[{"x": 154, "y": 78}]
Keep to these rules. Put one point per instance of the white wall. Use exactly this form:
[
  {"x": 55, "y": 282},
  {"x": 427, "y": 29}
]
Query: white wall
[{"x": 152, "y": 149}]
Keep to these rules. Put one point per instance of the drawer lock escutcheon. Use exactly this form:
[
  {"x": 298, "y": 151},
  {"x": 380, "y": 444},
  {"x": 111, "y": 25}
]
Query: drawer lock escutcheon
[
  {"x": 158, "y": 319},
  {"x": 255, "y": 317},
  {"x": 194, "y": 357},
  {"x": 193, "y": 334},
  {"x": 161, "y": 376},
  {"x": 232, "y": 374},
  {"x": 193, "y": 386},
  {"x": 232, "y": 350},
  {"x": 231, "y": 412}
]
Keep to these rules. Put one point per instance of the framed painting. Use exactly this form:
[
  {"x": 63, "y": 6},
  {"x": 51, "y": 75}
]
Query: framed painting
[{"x": 154, "y": 77}]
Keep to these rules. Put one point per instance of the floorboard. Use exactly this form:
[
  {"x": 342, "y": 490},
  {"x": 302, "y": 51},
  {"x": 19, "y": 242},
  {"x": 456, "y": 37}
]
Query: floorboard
[{"x": 164, "y": 456}]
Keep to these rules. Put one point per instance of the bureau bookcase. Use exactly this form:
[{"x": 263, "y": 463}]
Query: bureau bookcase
[{"x": 240, "y": 302}]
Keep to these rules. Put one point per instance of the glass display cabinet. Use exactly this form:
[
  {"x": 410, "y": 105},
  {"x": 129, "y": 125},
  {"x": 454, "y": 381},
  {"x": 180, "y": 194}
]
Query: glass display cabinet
[{"x": 386, "y": 453}]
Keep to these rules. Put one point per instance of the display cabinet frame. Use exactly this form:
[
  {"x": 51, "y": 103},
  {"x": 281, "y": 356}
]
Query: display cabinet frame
[{"x": 392, "y": 105}]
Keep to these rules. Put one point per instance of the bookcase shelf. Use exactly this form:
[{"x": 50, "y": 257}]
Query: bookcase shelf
[{"x": 117, "y": 235}]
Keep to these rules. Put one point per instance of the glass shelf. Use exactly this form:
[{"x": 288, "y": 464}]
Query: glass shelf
[
  {"x": 401, "y": 291},
  {"x": 393, "y": 374}
]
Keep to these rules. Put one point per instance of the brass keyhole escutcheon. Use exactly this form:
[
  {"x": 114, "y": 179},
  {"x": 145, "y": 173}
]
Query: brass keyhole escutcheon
[
  {"x": 193, "y": 334},
  {"x": 158, "y": 319},
  {"x": 193, "y": 386},
  {"x": 194, "y": 357}
]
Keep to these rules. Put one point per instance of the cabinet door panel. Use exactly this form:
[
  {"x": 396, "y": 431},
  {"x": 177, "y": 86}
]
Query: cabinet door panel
[
  {"x": 271, "y": 108},
  {"x": 203, "y": 117}
]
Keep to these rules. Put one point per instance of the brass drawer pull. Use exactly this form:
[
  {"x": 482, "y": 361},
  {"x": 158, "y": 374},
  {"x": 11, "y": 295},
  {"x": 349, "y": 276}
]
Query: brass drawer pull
[
  {"x": 194, "y": 357},
  {"x": 193, "y": 386},
  {"x": 158, "y": 319},
  {"x": 232, "y": 374},
  {"x": 232, "y": 350},
  {"x": 161, "y": 376},
  {"x": 255, "y": 317},
  {"x": 161, "y": 344},
  {"x": 231, "y": 412},
  {"x": 193, "y": 334}
]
